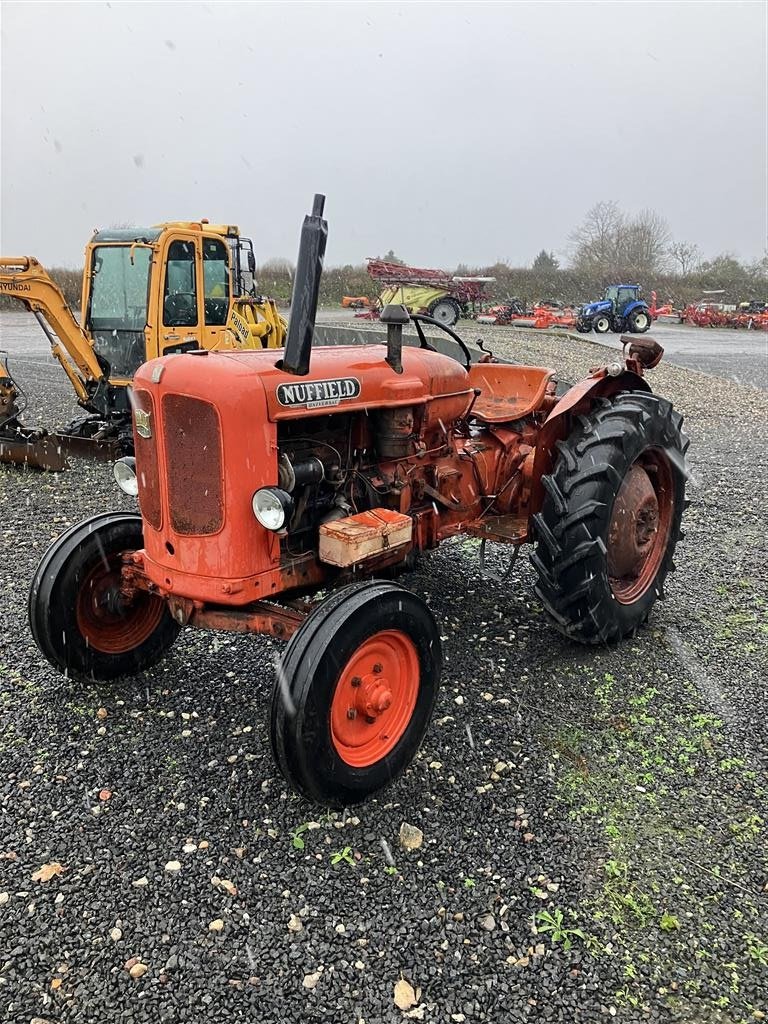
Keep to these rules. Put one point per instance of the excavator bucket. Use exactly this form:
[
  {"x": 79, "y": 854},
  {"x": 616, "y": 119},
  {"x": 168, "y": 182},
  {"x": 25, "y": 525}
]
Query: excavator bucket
[
  {"x": 103, "y": 449},
  {"x": 38, "y": 451}
]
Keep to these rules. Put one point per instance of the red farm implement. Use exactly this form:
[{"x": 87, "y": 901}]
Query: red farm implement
[
  {"x": 542, "y": 316},
  {"x": 667, "y": 312}
]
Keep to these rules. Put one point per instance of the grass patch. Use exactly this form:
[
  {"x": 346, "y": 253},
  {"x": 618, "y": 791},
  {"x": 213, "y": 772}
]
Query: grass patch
[{"x": 652, "y": 785}]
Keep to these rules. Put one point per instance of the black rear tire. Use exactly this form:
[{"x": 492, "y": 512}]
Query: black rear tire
[
  {"x": 77, "y": 617},
  {"x": 314, "y": 667},
  {"x": 639, "y": 321},
  {"x": 635, "y": 436}
]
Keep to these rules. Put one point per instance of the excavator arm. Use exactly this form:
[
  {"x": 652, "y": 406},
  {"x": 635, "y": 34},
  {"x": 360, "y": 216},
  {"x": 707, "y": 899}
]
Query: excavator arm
[{"x": 23, "y": 278}]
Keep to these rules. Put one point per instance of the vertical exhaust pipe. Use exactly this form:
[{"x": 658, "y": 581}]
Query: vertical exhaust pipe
[
  {"x": 395, "y": 317},
  {"x": 306, "y": 289}
]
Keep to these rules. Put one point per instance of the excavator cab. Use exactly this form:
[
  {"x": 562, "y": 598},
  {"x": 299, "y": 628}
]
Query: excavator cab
[
  {"x": 116, "y": 299},
  {"x": 147, "y": 292}
]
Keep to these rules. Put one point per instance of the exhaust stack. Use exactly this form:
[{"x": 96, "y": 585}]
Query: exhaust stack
[
  {"x": 306, "y": 289},
  {"x": 395, "y": 317}
]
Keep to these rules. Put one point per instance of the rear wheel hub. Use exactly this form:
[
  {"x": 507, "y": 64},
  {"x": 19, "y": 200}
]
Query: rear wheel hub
[{"x": 640, "y": 525}]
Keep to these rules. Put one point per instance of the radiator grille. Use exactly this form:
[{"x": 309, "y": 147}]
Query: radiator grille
[
  {"x": 193, "y": 465},
  {"x": 146, "y": 461}
]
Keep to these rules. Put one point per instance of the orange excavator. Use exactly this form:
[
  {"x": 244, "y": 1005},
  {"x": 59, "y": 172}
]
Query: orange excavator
[{"x": 147, "y": 292}]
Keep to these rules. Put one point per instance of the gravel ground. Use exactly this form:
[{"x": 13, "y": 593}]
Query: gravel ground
[{"x": 594, "y": 821}]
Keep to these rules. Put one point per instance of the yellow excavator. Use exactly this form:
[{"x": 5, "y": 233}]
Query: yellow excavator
[{"x": 147, "y": 292}]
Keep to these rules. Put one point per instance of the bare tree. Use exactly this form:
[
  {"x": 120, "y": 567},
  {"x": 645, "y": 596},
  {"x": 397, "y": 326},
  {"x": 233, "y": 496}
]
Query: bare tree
[
  {"x": 643, "y": 243},
  {"x": 686, "y": 255},
  {"x": 594, "y": 242},
  {"x": 608, "y": 244}
]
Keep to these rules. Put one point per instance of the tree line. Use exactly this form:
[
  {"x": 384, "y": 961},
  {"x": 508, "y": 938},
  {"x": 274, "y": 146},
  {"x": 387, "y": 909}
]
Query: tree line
[{"x": 608, "y": 247}]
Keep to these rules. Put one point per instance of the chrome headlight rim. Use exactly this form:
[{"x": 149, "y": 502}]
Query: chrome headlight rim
[
  {"x": 273, "y": 508},
  {"x": 124, "y": 472}
]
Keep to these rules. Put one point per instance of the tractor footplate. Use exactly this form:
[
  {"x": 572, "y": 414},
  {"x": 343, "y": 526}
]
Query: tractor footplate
[{"x": 503, "y": 529}]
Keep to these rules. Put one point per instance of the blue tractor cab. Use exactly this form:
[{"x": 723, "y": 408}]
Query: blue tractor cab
[{"x": 620, "y": 309}]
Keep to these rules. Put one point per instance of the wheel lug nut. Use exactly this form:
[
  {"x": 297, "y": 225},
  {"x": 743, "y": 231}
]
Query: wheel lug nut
[
  {"x": 356, "y": 681},
  {"x": 377, "y": 669},
  {"x": 351, "y": 713}
]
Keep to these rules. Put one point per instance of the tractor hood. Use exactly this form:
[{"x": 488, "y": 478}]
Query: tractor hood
[
  {"x": 342, "y": 378},
  {"x": 592, "y": 308}
]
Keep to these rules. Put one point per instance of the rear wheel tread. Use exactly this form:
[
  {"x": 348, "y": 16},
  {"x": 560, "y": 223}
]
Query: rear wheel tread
[{"x": 570, "y": 553}]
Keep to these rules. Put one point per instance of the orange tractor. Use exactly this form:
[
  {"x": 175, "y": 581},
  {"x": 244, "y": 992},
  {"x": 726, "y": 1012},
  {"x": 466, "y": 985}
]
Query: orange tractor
[{"x": 266, "y": 477}]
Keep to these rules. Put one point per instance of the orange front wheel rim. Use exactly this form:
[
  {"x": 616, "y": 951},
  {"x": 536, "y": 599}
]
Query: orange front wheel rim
[
  {"x": 109, "y": 622},
  {"x": 375, "y": 698}
]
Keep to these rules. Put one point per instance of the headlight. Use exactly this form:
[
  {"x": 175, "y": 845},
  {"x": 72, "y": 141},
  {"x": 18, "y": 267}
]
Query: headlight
[
  {"x": 124, "y": 471},
  {"x": 272, "y": 506}
]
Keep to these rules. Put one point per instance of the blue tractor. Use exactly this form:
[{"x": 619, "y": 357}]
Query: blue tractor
[{"x": 619, "y": 310}]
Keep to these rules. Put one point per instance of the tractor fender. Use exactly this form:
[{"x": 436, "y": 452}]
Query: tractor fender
[
  {"x": 575, "y": 402},
  {"x": 640, "y": 304}
]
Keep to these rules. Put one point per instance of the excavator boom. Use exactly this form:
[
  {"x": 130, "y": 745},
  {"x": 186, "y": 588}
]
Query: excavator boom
[{"x": 23, "y": 278}]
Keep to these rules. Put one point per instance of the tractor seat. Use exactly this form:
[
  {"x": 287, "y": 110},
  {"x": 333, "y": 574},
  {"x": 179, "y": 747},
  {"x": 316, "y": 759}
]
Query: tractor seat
[{"x": 507, "y": 392}]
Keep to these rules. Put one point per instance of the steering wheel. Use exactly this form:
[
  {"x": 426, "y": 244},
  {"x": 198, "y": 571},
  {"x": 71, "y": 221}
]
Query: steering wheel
[
  {"x": 422, "y": 318},
  {"x": 179, "y": 311}
]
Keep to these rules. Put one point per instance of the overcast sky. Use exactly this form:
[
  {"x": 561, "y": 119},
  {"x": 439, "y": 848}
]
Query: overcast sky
[{"x": 451, "y": 133}]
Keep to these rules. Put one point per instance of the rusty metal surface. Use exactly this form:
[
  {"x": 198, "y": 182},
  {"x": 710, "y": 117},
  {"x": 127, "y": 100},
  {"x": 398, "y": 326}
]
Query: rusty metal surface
[
  {"x": 103, "y": 450},
  {"x": 633, "y": 525},
  {"x": 193, "y": 462},
  {"x": 508, "y": 392},
  {"x": 36, "y": 452},
  {"x": 263, "y": 617},
  {"x": 510, "y": 529},
  {"x": 641, "y": 353}
]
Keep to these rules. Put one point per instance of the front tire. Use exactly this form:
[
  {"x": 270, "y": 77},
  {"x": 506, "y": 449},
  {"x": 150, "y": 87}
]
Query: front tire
[
  {"x": 79, "y": 618},
  {"x": 608, "y": 527},
  {"x": 583, "y": 326},
  {"x": 355, "y": 693},
  {"x": 602, "y": 323}
]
